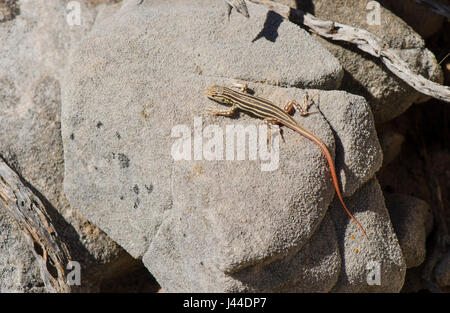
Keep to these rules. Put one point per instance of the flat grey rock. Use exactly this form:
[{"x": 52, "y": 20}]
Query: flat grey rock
[
  {"x": 412, "y": 221},
  {"x": 264, "y": 48}
]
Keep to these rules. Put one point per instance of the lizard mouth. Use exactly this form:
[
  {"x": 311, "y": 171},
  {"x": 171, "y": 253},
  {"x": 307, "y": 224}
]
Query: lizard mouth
[{"x": 209, "y": 92}]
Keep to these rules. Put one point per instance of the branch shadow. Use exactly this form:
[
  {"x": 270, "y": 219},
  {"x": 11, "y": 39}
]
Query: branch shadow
[{"x": 270, "y": 28}]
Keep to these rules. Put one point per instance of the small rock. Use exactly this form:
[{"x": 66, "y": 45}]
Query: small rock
[
  {"x": 419, "y": 16},
  {"x": 375, "y": 264},
  {"x": 391, "y": 144},
  {"x": 442, "y": 271},
  {"x": 358, "y": 152},
  {"x": 412, "y": 221}
]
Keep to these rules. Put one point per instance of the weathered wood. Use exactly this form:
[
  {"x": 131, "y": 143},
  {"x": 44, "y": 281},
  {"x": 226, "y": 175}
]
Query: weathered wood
[
  {"x": 18, "y": 201},
  {"x": 238, "y": 5},
  {"x": 366, "y": 42}
]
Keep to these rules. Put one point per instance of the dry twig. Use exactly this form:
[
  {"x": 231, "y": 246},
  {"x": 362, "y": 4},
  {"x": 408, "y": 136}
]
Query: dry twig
[
  {"x": 366, "y": 42},
  {"x": 31, "y": 216},
  {"x": 238, "y": 5}
]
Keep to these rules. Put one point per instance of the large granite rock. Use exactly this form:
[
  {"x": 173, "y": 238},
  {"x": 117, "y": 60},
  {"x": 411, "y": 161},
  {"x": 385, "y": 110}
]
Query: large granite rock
[
  {"x": 134, "y": 88},
  {"x": 126, "y": 169}
]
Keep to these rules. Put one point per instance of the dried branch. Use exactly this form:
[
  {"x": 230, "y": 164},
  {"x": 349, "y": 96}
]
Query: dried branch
[
  {"x": 238, "y": 5},
  {"x": 32, "y": 218},
  {"x": 366, "y": 42}
]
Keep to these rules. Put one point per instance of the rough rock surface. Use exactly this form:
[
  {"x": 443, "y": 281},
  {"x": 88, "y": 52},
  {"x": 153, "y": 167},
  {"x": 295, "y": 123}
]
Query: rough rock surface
[
  {"x": 365, "y": 75},
  {"x": 358, "y": 151},
  {"x": 391, "y": 144},
  {"x": 362, "y": 258},
  {"x": 158, "y": 81},
  {"x": 413, "y": 221},
  {"x": 19, "y": 271},
  {"x": 442, "y": 271},
  {"x": 423, "y": 20},
  {"x": 33, "y": 54},
  {"x": 179, "y": 260},
  {"x": 219, "y": 225}
]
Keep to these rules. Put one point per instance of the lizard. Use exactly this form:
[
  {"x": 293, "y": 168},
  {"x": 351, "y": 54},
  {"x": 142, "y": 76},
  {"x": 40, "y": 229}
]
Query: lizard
[{"x": 272, "y": 114}]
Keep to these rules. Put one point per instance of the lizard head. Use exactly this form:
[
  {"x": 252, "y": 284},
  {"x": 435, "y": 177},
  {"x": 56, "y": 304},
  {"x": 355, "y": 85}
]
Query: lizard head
[{"x": 218, "y": 93}]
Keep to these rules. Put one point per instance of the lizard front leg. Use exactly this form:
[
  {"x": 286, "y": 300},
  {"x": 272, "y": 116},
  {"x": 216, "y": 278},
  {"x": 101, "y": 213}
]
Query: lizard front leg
[
  {"x": 302, "y": 108},
  {"x": 227, "y": 113},
  {"x": 241, "y": 87}
]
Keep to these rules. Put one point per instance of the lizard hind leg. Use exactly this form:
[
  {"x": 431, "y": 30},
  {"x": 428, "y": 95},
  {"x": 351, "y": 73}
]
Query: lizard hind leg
[
  {"x": 270, "y": 122},
  {"x": 302, "y": 108},
  {"x": 289, "y": 107}
]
